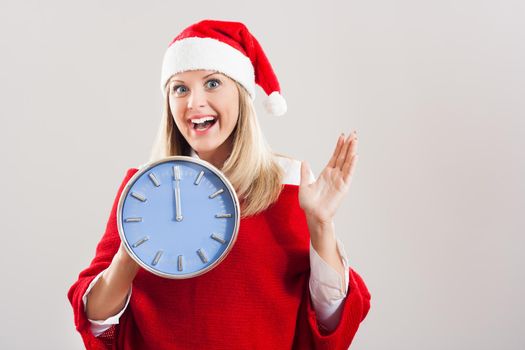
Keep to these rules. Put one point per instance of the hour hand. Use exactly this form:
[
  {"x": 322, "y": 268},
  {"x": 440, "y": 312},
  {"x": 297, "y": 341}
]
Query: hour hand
[{"x": 178, "y": 210}]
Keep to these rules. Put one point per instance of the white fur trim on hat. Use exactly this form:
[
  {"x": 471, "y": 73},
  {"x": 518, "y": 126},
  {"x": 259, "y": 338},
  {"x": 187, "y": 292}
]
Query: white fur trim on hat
[
  {"x": 205, "y": 53},
  {"x": 275, "y": 104}
]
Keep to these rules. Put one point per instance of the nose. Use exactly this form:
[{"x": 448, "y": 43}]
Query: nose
[{"x": 197, "y": 99}]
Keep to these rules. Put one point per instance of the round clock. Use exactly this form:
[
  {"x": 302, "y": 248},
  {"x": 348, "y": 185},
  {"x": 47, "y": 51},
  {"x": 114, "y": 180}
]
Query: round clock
[{"x": 178, "y": 217}]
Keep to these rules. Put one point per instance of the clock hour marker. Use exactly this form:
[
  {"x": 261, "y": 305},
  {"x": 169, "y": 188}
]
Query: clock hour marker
[
  {"x": 140, "y": 241},
  {"x": 199, "y": 177},
  {"x": 202, "y": 255},
  {"x": 133, "y": 220},
  {"x": 138, "y": 196},
  {"x": 213, "y": 195},
  {"x": 180, "y": 267},
  {"x": 157, "y": 258},
  {"x": 154, "y": 179},
  {"x": 176, "y": 172},
  {"x": 223, "y": 215},
  {"x": 217, "y": 238}
]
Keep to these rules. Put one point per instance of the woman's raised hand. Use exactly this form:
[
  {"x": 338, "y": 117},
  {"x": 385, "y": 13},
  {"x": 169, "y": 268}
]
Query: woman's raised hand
[{"x": 320, "y": 199}]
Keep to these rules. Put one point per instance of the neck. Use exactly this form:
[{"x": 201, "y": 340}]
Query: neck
[{"x": 218, "y": 156}]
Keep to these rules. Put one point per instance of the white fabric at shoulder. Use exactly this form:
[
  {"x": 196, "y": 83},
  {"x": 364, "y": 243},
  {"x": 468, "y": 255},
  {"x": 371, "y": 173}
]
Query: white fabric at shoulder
[{"x": 292, "y": 171}]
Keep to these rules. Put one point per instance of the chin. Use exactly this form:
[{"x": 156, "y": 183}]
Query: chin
[
  {"x": 204, "y": 148},
  {"x": 209, "y": 145}
]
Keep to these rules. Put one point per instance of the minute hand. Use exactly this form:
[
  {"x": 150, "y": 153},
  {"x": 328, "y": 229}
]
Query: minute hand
[
  {"x": 178, "y": 209},
  {"x": 178, "y": 203}
]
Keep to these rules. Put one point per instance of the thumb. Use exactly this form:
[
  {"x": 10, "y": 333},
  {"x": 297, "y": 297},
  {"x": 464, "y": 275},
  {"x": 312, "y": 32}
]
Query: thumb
[{"x": 305, "y": 173}]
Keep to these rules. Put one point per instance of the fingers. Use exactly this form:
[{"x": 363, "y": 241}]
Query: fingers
[
  {"x": 350, "y": 159},
  {"x": 347, "y": 147},
  {"x": 333, "y": 160}
]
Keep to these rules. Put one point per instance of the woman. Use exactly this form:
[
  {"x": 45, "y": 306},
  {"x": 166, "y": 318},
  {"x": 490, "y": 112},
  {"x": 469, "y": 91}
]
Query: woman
[{"x": 286, "y": 283}]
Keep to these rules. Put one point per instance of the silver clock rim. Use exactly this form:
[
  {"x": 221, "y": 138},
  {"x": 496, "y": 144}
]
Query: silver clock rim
[{"x": 146, "y": 168}]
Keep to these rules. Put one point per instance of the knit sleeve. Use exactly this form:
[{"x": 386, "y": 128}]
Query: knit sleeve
[
  {"x": 354, "y": 310},
  {"x": 106, "y": 249}
]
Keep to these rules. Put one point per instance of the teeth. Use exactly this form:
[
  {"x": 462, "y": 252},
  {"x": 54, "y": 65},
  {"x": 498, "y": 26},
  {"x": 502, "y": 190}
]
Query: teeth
[{"x": 202, "y": 120}]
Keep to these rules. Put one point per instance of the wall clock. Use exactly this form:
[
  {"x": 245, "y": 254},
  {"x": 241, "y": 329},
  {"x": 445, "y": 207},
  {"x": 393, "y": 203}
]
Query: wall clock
[{"x": 178, "y": 217}]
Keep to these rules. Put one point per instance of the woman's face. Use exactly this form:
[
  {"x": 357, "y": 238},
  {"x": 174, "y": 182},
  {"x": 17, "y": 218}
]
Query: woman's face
[{"x": 205, "y": 108}]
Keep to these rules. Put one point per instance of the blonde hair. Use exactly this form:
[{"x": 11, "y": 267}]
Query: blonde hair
[{"x": 251, "y": 168}]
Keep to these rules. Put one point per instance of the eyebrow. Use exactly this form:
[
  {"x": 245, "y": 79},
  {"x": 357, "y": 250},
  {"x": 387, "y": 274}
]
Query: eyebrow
[{"x": 182, "y": 81}]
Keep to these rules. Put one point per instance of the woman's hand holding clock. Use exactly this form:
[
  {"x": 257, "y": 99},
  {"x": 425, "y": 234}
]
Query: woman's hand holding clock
[
  {"x": 108, "y": 295},
  {"x": 124, "y": 260}
]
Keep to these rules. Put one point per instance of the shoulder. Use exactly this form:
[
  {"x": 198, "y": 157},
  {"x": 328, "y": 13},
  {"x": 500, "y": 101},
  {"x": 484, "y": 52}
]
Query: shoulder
[{"x": 291, "y": 169}]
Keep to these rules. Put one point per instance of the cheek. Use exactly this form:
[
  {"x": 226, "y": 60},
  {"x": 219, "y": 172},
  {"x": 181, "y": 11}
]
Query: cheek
[
  {"x": 233, "y": 109},
  {"x": 178, "y": 116},
  {"x": 231, "y": 119}
]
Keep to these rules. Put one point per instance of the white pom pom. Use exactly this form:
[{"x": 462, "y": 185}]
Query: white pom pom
[{"x": 275, "y": 104}]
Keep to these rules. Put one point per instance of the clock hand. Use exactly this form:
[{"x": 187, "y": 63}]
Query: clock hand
[
  {"x": 178, "y": 203},
  {"x": 178, "y": 209}
]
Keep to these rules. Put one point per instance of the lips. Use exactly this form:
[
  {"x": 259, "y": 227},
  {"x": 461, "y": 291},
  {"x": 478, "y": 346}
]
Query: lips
[
  {"x": 200, "y": 132},
  {"x": 200, "y": 116}
]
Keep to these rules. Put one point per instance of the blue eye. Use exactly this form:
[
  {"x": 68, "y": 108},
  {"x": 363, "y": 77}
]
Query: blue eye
[
  {"x": 215, "y": 81},
  {"x": 210, "y": 84},
  {"x": 179, "y": 89}
]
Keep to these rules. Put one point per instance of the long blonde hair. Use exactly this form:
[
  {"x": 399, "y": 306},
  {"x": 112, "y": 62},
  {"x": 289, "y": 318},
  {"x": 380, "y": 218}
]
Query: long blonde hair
[{"x": 252, "y": 167}]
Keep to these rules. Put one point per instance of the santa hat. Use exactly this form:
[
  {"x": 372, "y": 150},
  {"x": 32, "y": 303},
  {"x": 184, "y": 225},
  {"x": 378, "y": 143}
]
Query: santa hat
[{"x": 229, "y": 48}]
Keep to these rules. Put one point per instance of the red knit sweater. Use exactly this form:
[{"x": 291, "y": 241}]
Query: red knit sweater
[{"x": 257, "y": 298}]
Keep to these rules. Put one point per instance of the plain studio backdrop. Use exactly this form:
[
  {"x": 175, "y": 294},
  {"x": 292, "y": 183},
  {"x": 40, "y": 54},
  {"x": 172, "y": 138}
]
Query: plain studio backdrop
[{"x": 433, "y": 221}]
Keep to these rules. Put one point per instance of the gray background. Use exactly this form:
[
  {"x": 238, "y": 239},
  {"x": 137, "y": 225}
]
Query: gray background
[{"x": 434, "y": 217}]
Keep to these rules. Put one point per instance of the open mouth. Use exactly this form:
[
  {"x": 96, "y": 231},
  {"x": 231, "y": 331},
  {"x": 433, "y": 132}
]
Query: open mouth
[{"x": 202, "y": 124}]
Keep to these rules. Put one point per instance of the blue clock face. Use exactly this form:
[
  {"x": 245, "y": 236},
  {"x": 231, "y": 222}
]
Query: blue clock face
[{"x": 178, "y": 217}]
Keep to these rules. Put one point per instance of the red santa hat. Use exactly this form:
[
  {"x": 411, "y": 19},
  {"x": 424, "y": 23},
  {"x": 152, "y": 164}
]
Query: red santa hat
[{"x": 229, "y": 48}]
